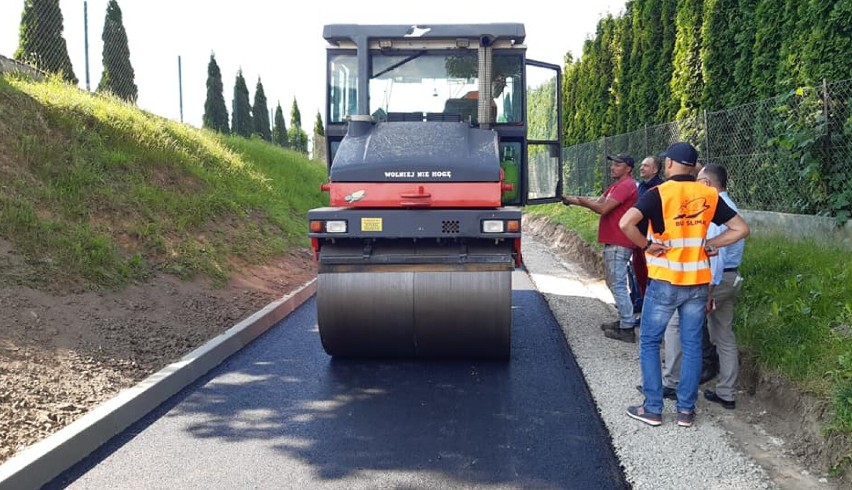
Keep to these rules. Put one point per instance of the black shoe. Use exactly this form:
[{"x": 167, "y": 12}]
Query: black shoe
[
  {"x": 669, "y": 393},
  {"x": 622, "y": 334},
  {"x": 711, "y": 396},
  {"x": 707, "y": 374},
  {"x": 610, "y": 326}
]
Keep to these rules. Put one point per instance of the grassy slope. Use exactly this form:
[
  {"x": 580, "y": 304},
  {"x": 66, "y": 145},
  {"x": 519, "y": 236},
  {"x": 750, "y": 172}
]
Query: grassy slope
[
  {"x": 98, "y": 193},
  {"x": 795, "y": 312}
]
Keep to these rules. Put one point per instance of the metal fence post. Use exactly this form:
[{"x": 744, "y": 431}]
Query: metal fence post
[
  {"x": 180, "y": 88},
  {"x": 827, "y": 140},
  {"x": 86, "y": 41},
  {"x": 706, "y": 137}
]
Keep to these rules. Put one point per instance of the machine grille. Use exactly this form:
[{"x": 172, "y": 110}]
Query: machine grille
[{"x": 450, "y": 226}]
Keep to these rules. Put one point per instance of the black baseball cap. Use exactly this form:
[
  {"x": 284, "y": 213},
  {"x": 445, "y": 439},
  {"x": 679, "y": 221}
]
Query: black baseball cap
[
  {"x": 623, "y": 158},
  {"x": 682, "y": 153}
]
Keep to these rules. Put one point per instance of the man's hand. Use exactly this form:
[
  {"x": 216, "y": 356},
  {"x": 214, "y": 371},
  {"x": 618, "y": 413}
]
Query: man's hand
[{"x": 569, "y": 200}]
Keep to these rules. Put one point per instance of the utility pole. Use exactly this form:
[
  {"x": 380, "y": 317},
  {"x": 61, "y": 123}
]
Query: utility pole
[
  {"x": 86, "y": 41},
  {"x": 180, "y": 88}
]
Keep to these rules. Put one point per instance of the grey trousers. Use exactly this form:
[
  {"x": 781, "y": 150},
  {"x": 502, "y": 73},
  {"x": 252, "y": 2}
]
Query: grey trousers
[{"x": 720, "y": 325}]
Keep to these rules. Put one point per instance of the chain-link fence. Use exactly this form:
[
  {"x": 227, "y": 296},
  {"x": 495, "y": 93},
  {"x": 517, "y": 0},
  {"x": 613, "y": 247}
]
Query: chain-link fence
[{"x": 791, "y": 153}]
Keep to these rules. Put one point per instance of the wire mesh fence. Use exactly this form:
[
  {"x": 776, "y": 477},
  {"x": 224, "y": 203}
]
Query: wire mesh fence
[{"x": 791, "y": 153}]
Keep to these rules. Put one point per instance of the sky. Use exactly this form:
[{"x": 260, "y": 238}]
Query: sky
[{"x": 279, "y": 42}]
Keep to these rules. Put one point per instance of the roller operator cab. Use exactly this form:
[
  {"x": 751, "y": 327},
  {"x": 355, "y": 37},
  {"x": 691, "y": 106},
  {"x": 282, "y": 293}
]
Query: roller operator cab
[{"x": 436, "y": 135}]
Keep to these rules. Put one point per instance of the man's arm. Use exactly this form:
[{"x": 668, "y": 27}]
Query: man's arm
[
  {"x": 628, "y": 223},
  {"x": 737, "y": 229},
  {"x": 601, "y": 205}
]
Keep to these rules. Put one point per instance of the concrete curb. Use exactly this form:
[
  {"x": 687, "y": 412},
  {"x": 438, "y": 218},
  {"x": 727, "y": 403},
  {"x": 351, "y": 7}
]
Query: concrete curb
[{"x": 50, "y": 457}]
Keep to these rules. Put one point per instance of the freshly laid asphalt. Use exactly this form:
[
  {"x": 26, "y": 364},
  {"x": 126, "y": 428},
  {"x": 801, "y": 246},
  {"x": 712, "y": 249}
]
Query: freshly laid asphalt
[{"x": 283, "y": 414}]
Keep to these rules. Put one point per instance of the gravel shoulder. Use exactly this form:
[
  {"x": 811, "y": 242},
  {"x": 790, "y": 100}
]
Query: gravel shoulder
[{"x": 731, "y": 449}]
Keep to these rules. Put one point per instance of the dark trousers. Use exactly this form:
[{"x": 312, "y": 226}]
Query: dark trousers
[
  {"x": 709, "y": 357},
  {"x": 638, "y": 279}
]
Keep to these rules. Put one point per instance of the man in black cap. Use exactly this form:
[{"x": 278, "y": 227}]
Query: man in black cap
[
  {"x": 679, "y": 213},
  {"x": 618, "y": 249}
]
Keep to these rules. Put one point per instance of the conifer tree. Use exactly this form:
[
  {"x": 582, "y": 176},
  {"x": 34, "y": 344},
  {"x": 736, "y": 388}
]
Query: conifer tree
[
  {"x": 621, "y": 50},
  {"x": 794, "y": 39},
  {"x": 118, "y": 75},
  {"x": 319, "y": 128},
  {"x": 687, "y": 82},
  {"x": 636, "y": 82},
  {"x": 829, "y": 42},
  {"x": 743, "y": 53},
  {"x": 241, "y": 120},
  {"x": 650, "y": 46},
  {"x": 260, "y": 113},
  {"x": 40, "y": 40},
  {"x": 666, "y": 106},
  {"x": 279, "y": 132},
  {"x": 717, "y": 58},
  {"x": 297, "y": 136},
  {"x": 215, "y": 111},
  {"x": 766, "y": 49}
]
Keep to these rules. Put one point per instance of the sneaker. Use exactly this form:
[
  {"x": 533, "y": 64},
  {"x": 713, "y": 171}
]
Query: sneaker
[
  {"x": 610, "y": 326},
  {"x": 685, "y": 419},
  {"x": 622, "y": 334},
  {"x": 668, "y": 393},
  {"x": 711, "y": 396},
  {"x": 640, "y": 414}
]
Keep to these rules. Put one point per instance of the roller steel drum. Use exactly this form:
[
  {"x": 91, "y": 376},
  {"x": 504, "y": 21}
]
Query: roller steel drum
[{"x": 385, "y": 312}]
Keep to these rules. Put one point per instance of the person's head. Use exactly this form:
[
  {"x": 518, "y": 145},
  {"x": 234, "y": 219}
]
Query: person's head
[
  {"x": 649, "y": 168},
  {"x": 620, "y": 165},
  {"x": 680, "y": 159},
  {"x": 714, "y": 175}
]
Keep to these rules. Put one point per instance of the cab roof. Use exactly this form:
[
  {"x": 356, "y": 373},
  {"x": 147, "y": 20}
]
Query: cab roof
[{"x": 335, "y": 33}]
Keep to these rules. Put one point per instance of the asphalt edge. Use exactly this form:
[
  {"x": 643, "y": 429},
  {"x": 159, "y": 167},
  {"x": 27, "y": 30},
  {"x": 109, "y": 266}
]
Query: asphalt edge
[{"x": 40, "y": 463}]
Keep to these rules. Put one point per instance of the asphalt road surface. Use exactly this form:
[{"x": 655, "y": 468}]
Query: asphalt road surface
[{"x": 283, "y": 414}]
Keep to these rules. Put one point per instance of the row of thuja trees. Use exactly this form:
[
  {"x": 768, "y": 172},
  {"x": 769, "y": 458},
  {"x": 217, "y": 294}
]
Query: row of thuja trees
[
  {"x": 763, "y": 87},
  {"x": 252, "y": 119},
  {"x": 662, "y": 60},
  {"x": 42, "y": 45}
]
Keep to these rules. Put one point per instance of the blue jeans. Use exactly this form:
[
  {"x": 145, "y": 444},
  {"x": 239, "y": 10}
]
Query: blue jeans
[
  {"x": 662, "y": 299},
  {"x": 616, "y": 259}
]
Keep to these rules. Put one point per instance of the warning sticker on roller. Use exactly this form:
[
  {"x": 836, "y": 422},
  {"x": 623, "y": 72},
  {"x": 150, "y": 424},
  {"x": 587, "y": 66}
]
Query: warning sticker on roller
[{"x": 371, "y": 224}]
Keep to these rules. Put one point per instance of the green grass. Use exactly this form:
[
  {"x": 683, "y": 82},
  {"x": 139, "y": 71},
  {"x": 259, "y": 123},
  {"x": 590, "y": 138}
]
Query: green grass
[
  {"x": 794, "y": 315},
  {"x": 97, "y": 189},
  {"x": 581, "y": 220}
]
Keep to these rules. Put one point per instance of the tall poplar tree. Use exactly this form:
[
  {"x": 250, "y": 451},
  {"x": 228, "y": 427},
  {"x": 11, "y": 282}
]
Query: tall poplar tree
[
  {"x": 241, "y": 120},
  {"x": 118, "y": 75},
  {"x": 260, "y": 113},
  {"x": 40, "y": 41},
  {"x": 215, "y": 111},
  {"x": 279, "y": 132}
]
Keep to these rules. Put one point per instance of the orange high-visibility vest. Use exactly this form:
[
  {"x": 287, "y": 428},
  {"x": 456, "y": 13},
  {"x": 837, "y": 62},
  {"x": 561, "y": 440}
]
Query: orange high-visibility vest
[{"x": 688, "y": 209}]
